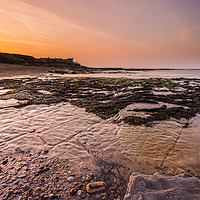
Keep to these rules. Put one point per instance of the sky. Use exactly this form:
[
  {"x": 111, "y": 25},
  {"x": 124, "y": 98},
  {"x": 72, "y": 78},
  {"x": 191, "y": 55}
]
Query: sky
[{"x": 104, "y": 33}]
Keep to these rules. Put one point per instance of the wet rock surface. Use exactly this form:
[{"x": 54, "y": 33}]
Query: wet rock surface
[
  {"x": 107, "y": 96},
  {"x": 160, "y": 186}
]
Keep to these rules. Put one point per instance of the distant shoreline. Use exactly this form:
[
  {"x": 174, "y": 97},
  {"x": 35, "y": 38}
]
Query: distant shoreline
[{"x": 138, "y": 69}]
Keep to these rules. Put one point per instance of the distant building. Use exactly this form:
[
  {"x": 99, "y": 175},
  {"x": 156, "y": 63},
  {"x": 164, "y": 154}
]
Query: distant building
[{"x": 69, "y": 60}]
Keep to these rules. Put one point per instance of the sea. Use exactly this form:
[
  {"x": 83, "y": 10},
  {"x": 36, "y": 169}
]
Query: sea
[{"x": 143, "y": 74}]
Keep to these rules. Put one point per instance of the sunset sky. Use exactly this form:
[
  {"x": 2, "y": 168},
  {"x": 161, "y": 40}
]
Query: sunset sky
[{"x": 104, "y": 33}]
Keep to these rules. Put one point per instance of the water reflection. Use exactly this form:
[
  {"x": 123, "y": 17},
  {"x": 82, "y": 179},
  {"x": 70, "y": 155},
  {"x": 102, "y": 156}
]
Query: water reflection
[{"x": 165, "y": 145}]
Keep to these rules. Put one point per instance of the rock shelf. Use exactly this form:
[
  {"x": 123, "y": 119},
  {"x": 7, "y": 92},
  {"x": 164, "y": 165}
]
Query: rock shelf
[{"x": 97, "y": 128}]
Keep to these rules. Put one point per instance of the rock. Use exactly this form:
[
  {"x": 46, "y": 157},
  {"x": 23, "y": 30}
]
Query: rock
[
  {"x": 51, "y": 195},
  {"x": 38, "y": 189},
  {"x": 95, "y": 186},
  {"x": 98, "y": 196},
  {"x": 103, "y": 194},
  {"x": 22, "y": 176},
  {"x": 26, "y": 187},
  {"x": 45, "y": 151},
  {"x": 42, "y": 171},
  {"x": 114, "y": 187},
  {"x": 73, "y": 191},
  {"x": 159, "y": 186},
  {"x": 88, "y": 178},
  {"x": 5, "y": 162},
  {"x": 70, "y": 179},
  {"x": 24, "y": 158},
  {"x": 79, "y": 192}
]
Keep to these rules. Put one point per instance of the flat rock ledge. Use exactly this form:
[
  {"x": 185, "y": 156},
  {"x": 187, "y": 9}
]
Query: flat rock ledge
[{"x": 162, "y": 187}]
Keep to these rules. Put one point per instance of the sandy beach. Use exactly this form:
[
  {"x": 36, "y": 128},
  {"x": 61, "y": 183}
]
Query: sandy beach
[{"x": 9, "y": 70}]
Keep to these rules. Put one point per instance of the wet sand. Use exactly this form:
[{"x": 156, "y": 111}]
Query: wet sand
[{"x": 8, "y": 70}]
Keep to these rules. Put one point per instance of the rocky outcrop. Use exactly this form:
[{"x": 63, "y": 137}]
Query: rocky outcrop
[{"x": 162, "y": 187}]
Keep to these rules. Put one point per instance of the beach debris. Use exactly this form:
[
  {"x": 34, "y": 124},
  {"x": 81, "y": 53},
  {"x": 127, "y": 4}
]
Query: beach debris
[{"x": 95, "y": 186}]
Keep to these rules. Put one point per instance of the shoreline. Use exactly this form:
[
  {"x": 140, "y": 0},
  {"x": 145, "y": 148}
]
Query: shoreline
[{"x": 104, "y": 97}]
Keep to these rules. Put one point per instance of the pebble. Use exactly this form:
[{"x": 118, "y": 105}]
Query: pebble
[
  {"x": 79, "y": 192},
  {"x": 114, "y": 187},
  {"x": 26, "y": 187},
  {"x": 38, "y": 189},
  {"x": 30, "y": 198},
  {"x": 24, "y": 158},
  {"x": 4, "y": 185},
  {"x": 51, "y": 195},
  {"x": 5, "y": 161},
  {"x": 72, "y": 191},
  {"x": 98, "y": 196},
  {"x": 22, "y": 176},
  {"x": 70, "y": 179},
  {"x": 88, "y": 178}
]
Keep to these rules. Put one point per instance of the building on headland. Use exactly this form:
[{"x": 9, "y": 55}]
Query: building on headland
[{"x": 69, "y": 60}]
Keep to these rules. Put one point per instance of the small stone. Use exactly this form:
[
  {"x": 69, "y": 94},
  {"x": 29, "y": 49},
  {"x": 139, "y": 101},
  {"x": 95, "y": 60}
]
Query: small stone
[
  {"x": 72, "y": 191},
  {"x": 22, "y": 176},
  {"x": 4, "y": 185},
  {"x": 103, "y": 194},
  {"x": 45, "y": 151},
  {"x": 38, "y": 189},
  {"x": 88, "y": 178},
  {"x": 51, "y": 195},
  {"x": 114, "y": 187},
  {"x": 79, "y": 192},
  {"x": 10, "y": 191},
  {"x": 24, "y": 158},
  {"x": 97, "y": 196},
  {"x": 17, "y": 182},
  {"x": 70, "y": 179},
  {"x": 26, "y": 187},
  {"x": 30, "y": 198},
  {"x": 5, "y": 161}
]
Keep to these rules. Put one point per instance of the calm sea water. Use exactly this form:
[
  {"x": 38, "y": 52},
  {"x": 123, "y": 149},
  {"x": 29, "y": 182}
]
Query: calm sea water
[
  {"x": 195, "y": 73},
  {"x": 142, "y": 74}
]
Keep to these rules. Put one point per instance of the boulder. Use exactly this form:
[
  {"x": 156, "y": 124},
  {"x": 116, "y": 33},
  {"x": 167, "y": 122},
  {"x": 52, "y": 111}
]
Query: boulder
[{"x": 162, "y": 187}]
